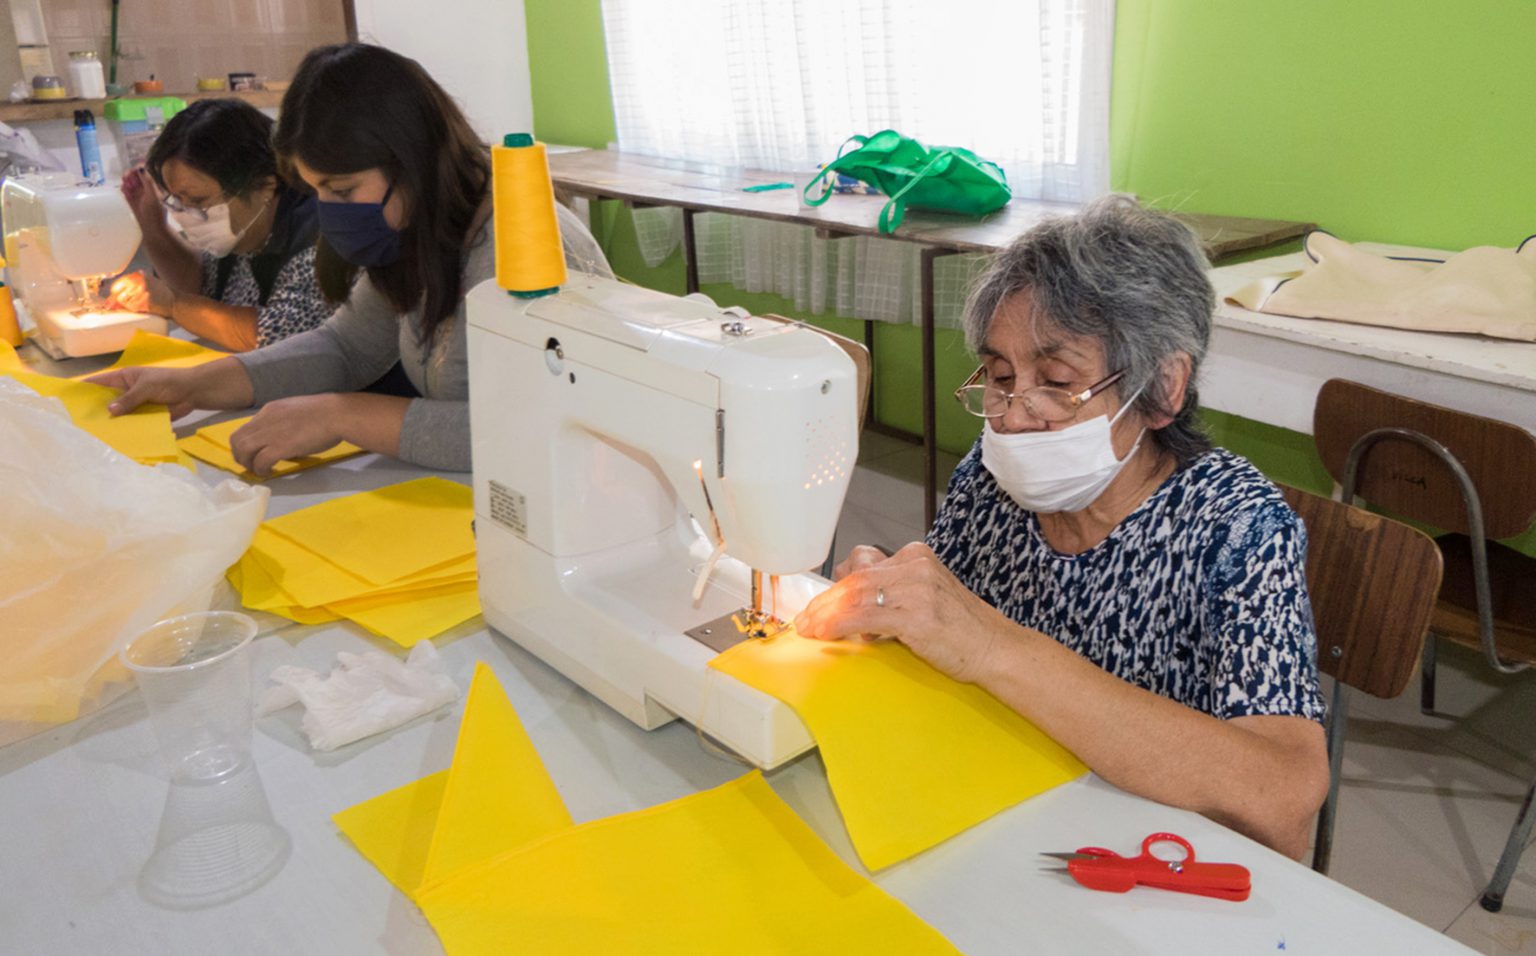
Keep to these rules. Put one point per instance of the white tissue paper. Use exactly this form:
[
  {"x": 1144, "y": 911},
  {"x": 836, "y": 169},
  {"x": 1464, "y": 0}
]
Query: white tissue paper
[{"x": 366, "y": 694}]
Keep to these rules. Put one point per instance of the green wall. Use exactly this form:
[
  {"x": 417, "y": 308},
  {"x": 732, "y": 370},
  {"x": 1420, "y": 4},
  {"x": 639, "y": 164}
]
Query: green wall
[
  {"x": 1404, "y": 121},
  {"x": 1390, "y": 120}
]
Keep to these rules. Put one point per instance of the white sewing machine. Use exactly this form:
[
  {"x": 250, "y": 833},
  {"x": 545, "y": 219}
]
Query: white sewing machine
[
  {"x": 63, "y": 236},
  {"x": 619, "y": 435}
]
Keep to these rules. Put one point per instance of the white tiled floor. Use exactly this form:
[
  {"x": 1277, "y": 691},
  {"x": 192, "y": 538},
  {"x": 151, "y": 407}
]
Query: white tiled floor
[{"x": 1426, "y": 801}]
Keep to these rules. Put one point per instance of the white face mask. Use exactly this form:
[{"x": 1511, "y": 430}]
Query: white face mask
[
  {"x": 214, "y": 234},
  {"x": 1063, "y": 470}
]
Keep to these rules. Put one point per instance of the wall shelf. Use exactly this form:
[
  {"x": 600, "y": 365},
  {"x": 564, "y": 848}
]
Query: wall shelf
[{"x": 36, "y": 111}]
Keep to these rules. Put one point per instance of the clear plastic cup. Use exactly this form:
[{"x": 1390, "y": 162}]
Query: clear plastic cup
[
  {"x": 217, "y": 838},
  {"x": 195, "y": 674}
]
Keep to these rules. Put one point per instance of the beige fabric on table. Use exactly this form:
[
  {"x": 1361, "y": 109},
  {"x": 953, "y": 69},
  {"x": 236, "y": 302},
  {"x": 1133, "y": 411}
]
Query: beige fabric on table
[{"x": 1485, "y": 290}]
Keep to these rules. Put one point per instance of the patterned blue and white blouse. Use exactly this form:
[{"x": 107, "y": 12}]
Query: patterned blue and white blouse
[{"x": 1199, "y": 595}]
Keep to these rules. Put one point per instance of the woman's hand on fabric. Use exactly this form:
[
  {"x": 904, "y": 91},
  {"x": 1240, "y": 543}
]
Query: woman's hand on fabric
[
  {"x": 138, "y": 292},
  {"x": 913, "y": 598},
  {"x": 142, "y": 384},
  {"x": 861, "y": 557},
  {"x": 289, "y": 428},
  {"x": 220, "y": 384}
]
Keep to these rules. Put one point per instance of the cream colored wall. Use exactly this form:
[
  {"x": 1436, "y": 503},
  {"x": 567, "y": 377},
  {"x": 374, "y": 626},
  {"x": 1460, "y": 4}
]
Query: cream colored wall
[{"x": 477, "y": 50}]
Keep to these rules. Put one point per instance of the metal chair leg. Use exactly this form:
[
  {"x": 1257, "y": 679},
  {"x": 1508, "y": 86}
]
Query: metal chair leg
[
  {"x": 1493, "y": 896},
  {"x": 1427, "y": 675},
  {"x": 1338, "y": 717}
]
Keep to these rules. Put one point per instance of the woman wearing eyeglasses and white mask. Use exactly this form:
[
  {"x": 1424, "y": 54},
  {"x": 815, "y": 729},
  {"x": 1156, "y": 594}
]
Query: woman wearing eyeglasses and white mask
[
  {"x": 403, "y": 184},
  {"x": 232, "y": 244},
  {"x": 1097, "y": 565}
]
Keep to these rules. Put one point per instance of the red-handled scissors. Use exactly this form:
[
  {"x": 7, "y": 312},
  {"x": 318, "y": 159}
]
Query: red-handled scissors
[{"x": 1101, "y": 869}]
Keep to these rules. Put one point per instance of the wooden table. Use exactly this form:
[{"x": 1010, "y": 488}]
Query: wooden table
[{"x": 641, "y": 181}]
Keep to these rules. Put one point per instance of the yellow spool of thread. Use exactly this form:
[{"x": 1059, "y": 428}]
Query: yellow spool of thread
[{"x": 530, "y": 260}]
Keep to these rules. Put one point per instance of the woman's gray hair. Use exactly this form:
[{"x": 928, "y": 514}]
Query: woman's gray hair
[{"x": 1133, "y": 279}]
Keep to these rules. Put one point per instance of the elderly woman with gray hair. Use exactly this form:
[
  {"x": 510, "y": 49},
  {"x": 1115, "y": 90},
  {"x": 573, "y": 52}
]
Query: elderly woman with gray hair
[{"x": 1097, "y": 565}]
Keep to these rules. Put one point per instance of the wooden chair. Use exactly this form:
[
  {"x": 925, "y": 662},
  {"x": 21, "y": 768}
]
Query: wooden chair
[
  {"x": 1372, "y": 582},
  {"x": 1474, "y": 477}
]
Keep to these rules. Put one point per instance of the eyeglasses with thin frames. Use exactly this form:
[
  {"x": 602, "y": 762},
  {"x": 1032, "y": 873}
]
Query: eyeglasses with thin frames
[{"x": 1043, "y": 402}]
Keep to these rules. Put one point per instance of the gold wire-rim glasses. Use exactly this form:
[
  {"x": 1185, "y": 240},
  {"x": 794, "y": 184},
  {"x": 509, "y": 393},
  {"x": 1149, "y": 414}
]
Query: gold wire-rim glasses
[{"x": 1043, "y": 402}]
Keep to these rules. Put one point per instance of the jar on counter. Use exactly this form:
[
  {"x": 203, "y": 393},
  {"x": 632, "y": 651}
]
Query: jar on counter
[{"x": 86, "y": 76}]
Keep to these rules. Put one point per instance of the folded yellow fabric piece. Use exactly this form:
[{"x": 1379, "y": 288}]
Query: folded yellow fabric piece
[
  {"x": 144, "y": 434},
  {"x": 912, "y": 757},
  {"x": 211, "y": 444},
  {"x": 728, "y": 870},
  {"x": 496, "y": 797},
  {"x": 410, "y": 616},
  {"x": 162, "y": 351},
  {"x": 388, "y": 533},
  {"x": 425, "y": 528}
]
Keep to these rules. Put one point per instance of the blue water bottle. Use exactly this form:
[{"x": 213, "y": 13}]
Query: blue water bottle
[{"x": 90, "y": 151}]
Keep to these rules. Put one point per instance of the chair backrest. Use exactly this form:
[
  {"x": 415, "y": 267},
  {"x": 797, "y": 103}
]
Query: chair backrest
[
  {"x": 855, "y": 350},
  {"x": 1373, "y": 583},
  {"x": 1406, "y": 479}
]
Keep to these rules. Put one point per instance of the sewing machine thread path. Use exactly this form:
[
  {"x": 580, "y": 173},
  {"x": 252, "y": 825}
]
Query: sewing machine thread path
[
  {"x": 615, "y": 429},
  {"x": 63, "y": 236}
]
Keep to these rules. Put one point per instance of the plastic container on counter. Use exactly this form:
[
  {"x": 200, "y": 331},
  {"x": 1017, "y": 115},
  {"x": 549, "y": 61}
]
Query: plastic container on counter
[
  {"x": 46, "y": 86},
  {"x": 136, "y": 123}
]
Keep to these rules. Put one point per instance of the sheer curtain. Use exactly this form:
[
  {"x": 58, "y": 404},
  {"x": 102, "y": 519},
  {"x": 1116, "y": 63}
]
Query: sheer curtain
[{"x": 780, "y": 84}]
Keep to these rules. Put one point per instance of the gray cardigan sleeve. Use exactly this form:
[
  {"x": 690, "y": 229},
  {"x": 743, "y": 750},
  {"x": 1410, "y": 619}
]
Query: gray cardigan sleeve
[{"x": 355, "y": 346}]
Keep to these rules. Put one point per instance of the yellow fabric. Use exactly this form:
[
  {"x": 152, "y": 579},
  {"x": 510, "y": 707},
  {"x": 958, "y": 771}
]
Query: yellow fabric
[
  {"x": 211, "y": 444},
  {"x": 489, "y": 853},
  {"x": 144, "y": 434},
  {"x": 9, "y": 360},
  {"x": 407, "y": 617},
  {"x": 282, "y": 577},
  {"x": 912, "y": 756},
  {"x": 388, "y": 533},
  {"x": 497, "y": 796},
  {"x": 161, "y": 351},
  {"x": 729, "y": 870}
]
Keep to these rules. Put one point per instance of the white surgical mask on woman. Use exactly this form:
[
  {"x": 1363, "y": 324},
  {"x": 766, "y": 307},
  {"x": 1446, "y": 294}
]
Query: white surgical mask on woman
[
  {"x": 212, "y": 234},
  {"x": 1062, "y": 470}
]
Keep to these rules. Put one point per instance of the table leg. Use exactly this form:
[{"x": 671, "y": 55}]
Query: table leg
[
  {"x": 930, "y": 421},
  {"x": 690, "y": 254},
  {"x": 869, "y": 346}
]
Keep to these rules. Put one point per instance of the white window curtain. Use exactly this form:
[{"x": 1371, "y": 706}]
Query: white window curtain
[{"x": 781, "y": 84}]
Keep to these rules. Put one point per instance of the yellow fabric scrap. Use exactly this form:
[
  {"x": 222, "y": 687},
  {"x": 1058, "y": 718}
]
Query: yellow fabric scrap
[
  {"x": 729, "y": 870},
  {"x": 211, "y": 444},
  {"x": 310, "y": 582},
  {"x": 496, "y": 797},
  {"x": 144, "y": 434},
  {"x": 162, "y": 351},
  {"x": 408, "y": 617},
  {"x": 879, "y": 714},
  {"x": 488, "y": 852},
  {"x": 388, "y": 533}
]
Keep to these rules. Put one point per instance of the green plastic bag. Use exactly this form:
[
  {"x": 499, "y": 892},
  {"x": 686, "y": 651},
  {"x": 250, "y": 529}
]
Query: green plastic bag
[{"x": 945, "y": 178}]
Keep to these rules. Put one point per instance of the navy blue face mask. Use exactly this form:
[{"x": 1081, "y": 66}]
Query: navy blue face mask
[{"x": 359, "y": 232}]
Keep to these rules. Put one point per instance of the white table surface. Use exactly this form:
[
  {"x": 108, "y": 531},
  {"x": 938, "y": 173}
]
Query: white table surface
[
  {"x": 79, "y": 808},
  {"x": 1270, "y": 367}
]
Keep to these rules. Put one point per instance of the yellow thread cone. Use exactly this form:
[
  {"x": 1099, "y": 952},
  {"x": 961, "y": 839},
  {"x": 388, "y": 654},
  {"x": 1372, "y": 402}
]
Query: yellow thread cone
[{"x": 529, "y": 258}]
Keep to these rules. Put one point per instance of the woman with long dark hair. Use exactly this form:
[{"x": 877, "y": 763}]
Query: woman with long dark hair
[
  {"x": 403, "y": 185},
  {"x": 231, "y": 241}
]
